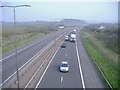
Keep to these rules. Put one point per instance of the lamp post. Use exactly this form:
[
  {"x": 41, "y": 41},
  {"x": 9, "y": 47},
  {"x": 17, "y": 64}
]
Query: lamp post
[
  {"x": 54, "y": 32},
  {"x": 15, "y": 38}
]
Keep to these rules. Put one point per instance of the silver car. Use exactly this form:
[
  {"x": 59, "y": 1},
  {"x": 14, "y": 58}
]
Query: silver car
[{"x": 64, "y": 67}]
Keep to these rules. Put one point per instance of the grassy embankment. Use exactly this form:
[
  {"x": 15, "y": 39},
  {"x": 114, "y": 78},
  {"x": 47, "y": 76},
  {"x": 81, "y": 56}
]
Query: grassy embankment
[
  {"x": 25, "y": 33},
  {"x": 105, "y": 57}
]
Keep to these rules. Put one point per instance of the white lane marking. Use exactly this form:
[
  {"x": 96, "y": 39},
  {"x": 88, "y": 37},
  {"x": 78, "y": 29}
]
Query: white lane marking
[
  {"x": 47, "y": 68},
  {"x": 30, "y": 60},
  {"x": 61, "y": 79},
  {"x": 66, "y": 55},
  {"x": 24, "y": 48},
  {"x": 35, "y": 74},
  {"x": 21, "y": 50},
  {"x": 81, "y": 74},
  {"x": 25, "y": 64}
]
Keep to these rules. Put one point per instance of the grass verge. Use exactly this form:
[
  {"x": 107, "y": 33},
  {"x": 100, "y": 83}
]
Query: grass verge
[
  {"x": 109, "y": 69},
  {"x": 22, "y": 42}
]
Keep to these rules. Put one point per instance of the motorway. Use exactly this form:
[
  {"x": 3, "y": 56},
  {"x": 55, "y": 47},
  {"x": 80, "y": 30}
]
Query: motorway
[
  {"x": 82, "y": 73},
  {"x": 24, "y": 54},
  {"x": 56, "y": 79}
]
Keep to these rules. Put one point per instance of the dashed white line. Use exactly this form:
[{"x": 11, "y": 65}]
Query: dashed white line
[
  {"x": 46, "y": 68},
  {"x": 66, "y": 55},
  {"x": 61, "y": 79},
  {"x": 81, "y": 74}
]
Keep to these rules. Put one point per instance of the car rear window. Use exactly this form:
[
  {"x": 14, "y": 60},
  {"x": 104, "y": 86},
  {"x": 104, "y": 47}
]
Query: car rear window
[{"x": 64, "y": 65}]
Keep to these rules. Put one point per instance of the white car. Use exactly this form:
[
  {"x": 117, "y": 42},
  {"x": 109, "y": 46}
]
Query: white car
[
  {"x": 66, "y": 38},
  {"x": 74, "y": 30},
  {"x": 64, "y": 67}
]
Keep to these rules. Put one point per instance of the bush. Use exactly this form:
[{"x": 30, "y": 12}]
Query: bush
[{"x": 108, "y": 35}]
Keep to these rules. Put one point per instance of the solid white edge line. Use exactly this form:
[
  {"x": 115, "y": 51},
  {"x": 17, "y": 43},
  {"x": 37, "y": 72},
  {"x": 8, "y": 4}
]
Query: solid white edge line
[
  {"x": 24, "y": 48},
  {"x": 26, "y": 63},
  {"x": 34, "y": 74},
  {"x": 30, "y": 60},
  {"x": 46, "y": 68},
  {"x": 20, "y": 50},
  {"x": 81, "y": 74},
  {"x": 35, "y": 56},
  {"x": 39, "y": 53}
]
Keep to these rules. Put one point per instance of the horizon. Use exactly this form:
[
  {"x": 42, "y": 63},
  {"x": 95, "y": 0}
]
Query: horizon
[
  {"x": 58, "y": 21},
  {"x": 91, "y": 12}
]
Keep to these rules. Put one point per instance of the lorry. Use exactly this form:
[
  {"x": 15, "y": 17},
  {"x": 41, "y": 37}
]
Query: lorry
[{"x": 72, "y": 37}]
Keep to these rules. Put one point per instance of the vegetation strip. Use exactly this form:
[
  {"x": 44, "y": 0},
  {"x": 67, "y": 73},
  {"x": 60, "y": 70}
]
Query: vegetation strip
[
  {"x": 9, "y": 46},
  {"x": 108, "y": 70}
]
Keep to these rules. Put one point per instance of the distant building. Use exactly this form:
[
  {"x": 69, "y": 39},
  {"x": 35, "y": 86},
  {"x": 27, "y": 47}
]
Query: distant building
[
  {"x": 61, "y": 27},
  {"x": 101, "y": 27}
]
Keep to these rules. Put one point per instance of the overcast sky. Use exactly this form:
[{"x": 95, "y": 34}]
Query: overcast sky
[{"x": 47, "y": 11}]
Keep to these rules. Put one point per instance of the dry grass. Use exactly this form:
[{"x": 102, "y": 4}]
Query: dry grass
[{"x": 25, "y": 33}]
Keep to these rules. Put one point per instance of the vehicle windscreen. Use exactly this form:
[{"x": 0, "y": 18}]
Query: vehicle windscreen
[{"x": 64, "y": 65}]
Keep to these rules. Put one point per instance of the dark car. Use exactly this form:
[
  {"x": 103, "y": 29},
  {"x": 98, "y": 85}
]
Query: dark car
[{"x": 63, "y": 45}]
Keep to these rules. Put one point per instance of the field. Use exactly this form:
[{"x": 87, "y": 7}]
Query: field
[
  {"x": 103, "y": 46},
  {"x": 25, "y": 33}
]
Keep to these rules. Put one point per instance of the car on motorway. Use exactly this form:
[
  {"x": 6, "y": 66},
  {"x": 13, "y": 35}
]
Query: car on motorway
[
  {"x": 64, "y": 67},
  {"x": 74, "y": 30},
  {"x": 63, "y": 45},
  {"x": 69, "y": 35},
  {"x": 67, "y": 38}
]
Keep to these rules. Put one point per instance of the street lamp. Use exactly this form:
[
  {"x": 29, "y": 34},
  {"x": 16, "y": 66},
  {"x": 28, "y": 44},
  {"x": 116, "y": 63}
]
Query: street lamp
[{"x": 15, "y": 35}]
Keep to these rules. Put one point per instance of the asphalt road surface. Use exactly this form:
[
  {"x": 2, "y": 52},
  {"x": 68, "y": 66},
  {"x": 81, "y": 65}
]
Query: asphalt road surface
[
  {"x": 24, "y": 54},
  {"x": 56, "y": 79},
  {"x": 82, "y": 72}
]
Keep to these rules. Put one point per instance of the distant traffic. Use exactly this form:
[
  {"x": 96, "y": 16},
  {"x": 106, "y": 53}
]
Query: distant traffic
[{"x": 71, "y": 37}]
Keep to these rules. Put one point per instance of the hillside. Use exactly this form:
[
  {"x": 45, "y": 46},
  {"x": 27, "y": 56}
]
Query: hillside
[{"x": 74, "y": 21}]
